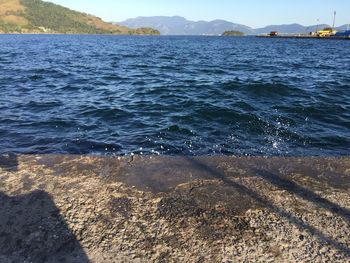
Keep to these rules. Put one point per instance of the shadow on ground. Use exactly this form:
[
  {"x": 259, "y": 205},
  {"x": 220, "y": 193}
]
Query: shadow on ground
[
  {"x": 291, "y": 187},
  {"x": 9, "y": 162},
  {"x": 32, "y": 229}
]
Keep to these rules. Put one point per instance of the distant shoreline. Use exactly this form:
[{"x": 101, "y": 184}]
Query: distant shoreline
[{"x": 76, "y": 34}]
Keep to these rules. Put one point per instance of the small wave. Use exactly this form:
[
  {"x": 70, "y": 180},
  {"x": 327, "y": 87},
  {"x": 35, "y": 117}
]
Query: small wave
[
  {"x": 268, "y": 89},
  {"x": 42, "y": 105},
  {"x": 179, "y": 130},
  {"x": 81, "y": 146},
  {"x": 213, "y": 71},
  {"x": 112, "y": 77},
  {"x": 104, "y": 113},
  {"x": 219, "y": 114},
  {"x": 262, "y": 89}
]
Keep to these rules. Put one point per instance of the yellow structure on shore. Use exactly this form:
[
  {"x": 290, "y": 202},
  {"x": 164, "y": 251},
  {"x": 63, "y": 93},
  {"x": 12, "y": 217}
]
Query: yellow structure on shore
[{"x": 327, "y": 32}]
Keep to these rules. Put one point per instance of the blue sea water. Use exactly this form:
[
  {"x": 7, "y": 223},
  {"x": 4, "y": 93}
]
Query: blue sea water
[{"x": 120, "y": 95}]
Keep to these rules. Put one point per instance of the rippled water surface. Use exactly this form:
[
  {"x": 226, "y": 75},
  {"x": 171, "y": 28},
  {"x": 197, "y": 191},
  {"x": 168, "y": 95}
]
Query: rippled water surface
[{"x": 174, "y": 95}]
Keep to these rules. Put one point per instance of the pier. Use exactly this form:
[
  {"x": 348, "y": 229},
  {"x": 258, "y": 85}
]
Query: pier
[{"x": 60, "y": 208}]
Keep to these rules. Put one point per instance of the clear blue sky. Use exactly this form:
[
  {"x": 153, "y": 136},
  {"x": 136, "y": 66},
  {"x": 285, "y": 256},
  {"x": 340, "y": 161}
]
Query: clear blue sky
[{"x": 254, "y": 13}]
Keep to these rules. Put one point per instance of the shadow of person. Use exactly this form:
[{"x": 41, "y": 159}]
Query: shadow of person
[
  {"x": 9, "y": 162},
  {"x": 32, "y": 230}
]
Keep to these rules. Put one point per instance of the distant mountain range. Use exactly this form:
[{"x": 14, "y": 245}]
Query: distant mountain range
[{"x": 177, "y": 25}]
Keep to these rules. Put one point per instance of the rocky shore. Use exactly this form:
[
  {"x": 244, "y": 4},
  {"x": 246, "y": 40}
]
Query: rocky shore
[{"x": 174, "y": 209}]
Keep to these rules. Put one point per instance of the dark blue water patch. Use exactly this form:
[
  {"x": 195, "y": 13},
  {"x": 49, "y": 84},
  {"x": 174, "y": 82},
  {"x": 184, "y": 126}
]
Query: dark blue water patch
[{"x": 119, "y": 95}]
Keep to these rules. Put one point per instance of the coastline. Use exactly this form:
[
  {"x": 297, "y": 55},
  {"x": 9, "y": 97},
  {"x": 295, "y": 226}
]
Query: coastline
[{"x": 171, "y": 209}]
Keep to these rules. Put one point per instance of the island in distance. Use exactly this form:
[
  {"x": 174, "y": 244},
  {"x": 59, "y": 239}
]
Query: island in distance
[
  {"x": 40, "y": 17},
  {"x": 233, "y": 33}
]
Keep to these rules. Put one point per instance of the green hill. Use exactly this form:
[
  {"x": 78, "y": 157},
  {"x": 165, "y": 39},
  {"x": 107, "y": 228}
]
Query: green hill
[
  {"x": 36, "y": 16},
  {"x": 233, "y": 33}
]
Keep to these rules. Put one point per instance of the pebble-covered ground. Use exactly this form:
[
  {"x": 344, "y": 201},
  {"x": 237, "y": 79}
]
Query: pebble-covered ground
[{"x": 174, "y": 209}]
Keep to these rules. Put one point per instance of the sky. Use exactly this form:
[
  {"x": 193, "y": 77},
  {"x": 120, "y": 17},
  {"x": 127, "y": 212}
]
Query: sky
[{"x": 253, "y": 13}]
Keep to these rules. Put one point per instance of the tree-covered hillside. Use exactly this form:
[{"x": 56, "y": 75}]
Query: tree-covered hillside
[
  {"x": 233, "y": 33},
  {"x": 36, "y": 16}
]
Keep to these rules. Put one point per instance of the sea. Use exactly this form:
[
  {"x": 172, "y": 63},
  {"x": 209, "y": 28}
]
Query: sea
[{"x": 174, "y": 95}]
